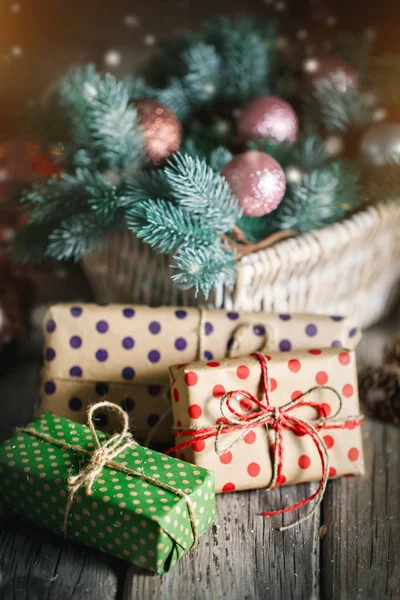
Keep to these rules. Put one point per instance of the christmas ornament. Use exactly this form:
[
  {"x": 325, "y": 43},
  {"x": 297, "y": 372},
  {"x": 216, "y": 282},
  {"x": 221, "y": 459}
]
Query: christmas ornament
[
  {"x": 331, "y": 69},
  {"x": 380, "y": 144},
  {"x": 258, "y": 181},
  {"x": 380, "y": 392},
  {"x": 268, "y": 117},
  {"x": 161, "y": 129}
]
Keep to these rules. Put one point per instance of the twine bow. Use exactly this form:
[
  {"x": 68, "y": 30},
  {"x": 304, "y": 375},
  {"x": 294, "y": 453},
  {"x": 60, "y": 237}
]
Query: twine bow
[
  {"x": 103, "y": 457},
  {"x": 277, "y": 419},
  {"x": 104, "y": 453}
]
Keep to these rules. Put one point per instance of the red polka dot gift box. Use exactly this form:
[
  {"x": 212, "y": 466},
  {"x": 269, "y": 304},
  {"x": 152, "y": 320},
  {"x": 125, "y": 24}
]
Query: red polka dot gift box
[
  {"x": 265, "y": 420},
  {"x": 123, "y": 352}
]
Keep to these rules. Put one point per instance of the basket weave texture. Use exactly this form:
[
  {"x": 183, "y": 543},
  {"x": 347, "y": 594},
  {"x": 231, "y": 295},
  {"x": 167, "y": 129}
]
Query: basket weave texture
[{"x": 350, "y": 268}]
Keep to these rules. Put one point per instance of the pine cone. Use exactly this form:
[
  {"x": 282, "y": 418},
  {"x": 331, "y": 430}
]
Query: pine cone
[
  {"x": 380, "y": 393},
  {"x": 391, "y": 352}
]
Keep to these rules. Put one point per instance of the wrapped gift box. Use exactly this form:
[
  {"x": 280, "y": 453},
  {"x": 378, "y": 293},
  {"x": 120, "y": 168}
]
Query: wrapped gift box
[
  {"x": 124, "y": 352},
  {"x": 135, "y": 519},
  {"x": 197, "y": 390}
]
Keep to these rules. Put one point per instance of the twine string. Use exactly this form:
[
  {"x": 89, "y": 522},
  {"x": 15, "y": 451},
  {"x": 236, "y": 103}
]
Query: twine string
[
  {"x": 276, "y": 419},
  {"x": 103, "y": 457}
]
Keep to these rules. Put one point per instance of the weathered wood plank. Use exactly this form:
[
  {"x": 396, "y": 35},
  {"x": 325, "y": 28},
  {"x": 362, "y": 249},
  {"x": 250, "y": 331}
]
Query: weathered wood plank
[
  {"x": 35, "y": 564},
  {"x": 243, "y": 557},
  {"x": 361, "y": 549}
]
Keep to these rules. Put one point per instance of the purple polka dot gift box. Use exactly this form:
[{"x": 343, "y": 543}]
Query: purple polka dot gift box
[{"x": 123, "y": 353}]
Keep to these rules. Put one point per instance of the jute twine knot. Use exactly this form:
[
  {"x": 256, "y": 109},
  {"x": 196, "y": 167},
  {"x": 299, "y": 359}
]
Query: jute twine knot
[{"x": 104, "y": 453}]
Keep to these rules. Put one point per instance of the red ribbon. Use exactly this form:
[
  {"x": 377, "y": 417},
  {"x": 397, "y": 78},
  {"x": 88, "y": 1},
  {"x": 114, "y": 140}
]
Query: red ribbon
[{"x": 277, "y": 419}]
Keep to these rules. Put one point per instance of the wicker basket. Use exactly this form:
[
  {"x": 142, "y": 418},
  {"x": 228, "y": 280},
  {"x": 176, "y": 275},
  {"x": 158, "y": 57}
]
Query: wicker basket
[{"x": 351, "y": 268}]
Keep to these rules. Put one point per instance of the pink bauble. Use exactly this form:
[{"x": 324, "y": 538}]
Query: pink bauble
[
  {"x": 329, "y": 68},
  {"x": 268, "y": 117},
  {"x": 257, "y": 180}
]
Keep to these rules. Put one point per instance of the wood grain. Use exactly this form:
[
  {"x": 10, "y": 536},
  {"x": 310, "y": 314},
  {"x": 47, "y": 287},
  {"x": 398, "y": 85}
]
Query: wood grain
[
  {"x": 361, "y": 550},
  {"x": 244, "y": 556},
  {"x": 37, "y": 565}
]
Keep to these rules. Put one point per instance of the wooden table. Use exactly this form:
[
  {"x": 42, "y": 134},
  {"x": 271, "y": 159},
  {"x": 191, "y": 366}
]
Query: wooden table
[{"x": 349, "y": 550}]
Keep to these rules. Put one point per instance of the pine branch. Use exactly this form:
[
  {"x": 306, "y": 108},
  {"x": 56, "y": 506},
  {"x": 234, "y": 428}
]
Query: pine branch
[
  {"x": 137, "y": 88},
  {"x": 203, "y": 73},
  {"x": 338, "y": 110},
  {"x": 245, "y": 57},
  {"x": 82, "y": 159},
  {"x": 219, "y": 158},
  {"x": 76, "y": 236},
  {"x": 62, "y": 210},
  {"x": 77, "y": 88},
  {"x": 58, "y": 198},
  {"x": 203, "y": 267},
  {"x": 323, "y": 197},
  {"x": 206, "y": 136},
  {"x": 105, "y": 126},
  {"x": 113, "y": 124},
  {"x": 283, "y": 153},
  {"x": 148, "y": 185},
  {"x": 167, "y": 227},
  {"x": 175, "y": 97},
  {"x": 190, "y": 148},
  {"x": 105, "y": 201},
  {"x": 195, "y": 185},
  {"x": 309, "y": 152}
]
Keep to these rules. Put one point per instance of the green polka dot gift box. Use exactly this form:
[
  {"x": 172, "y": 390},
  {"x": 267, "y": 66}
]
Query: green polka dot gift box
[
  {"x": 113, "y": 495},
  {"x": 123, "y": 352}
]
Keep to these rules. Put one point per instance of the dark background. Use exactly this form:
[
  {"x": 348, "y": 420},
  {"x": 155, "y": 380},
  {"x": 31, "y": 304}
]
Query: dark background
[{"x": 39, "y": 38}]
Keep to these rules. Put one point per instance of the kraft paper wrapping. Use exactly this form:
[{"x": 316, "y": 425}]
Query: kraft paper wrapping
[
  {"x": 197, "y": 390},
  {"x": 123, "y": 353}
]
